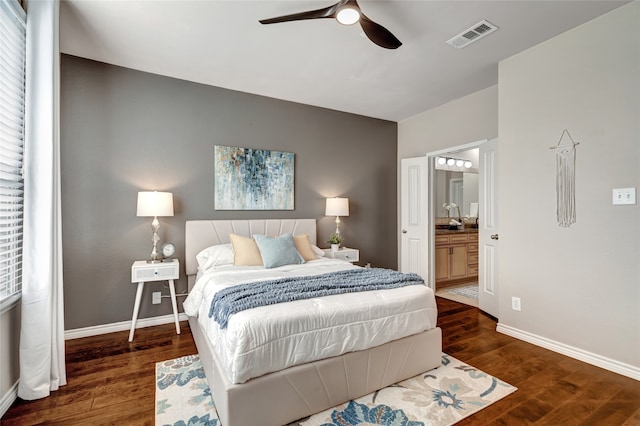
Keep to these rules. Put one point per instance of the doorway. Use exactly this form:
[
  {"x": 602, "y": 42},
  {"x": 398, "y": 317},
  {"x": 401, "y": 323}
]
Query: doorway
[
  {"x": 454, "y": 195},
  {"x": 419, "y": 216}
]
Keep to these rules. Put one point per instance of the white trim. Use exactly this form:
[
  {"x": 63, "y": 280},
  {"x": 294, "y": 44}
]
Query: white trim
[
  {"x": 570, "y": 351},
  {"x": 121, "y": 326},
  {"x": 457, "y": 148},
  {"x": 8, "y": 303},
  {"x": 9, "y": 398}
]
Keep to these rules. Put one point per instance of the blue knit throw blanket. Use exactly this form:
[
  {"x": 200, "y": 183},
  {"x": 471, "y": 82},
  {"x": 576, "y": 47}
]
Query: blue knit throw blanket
[{"x": 231, "y": 300}]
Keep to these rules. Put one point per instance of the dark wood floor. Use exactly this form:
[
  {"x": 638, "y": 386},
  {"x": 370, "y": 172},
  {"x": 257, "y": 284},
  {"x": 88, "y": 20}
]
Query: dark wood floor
[{"x": 111, "y": 381}]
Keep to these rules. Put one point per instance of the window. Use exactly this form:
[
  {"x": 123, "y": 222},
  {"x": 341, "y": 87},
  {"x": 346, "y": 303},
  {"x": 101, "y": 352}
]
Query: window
[{"x": 12, "y": 93}]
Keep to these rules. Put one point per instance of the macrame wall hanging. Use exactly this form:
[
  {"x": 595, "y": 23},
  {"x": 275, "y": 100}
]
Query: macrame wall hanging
[{"x": 565, "y": 179}]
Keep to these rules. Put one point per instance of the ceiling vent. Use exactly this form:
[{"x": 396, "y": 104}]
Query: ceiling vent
[{"x": 473, "y": 34}]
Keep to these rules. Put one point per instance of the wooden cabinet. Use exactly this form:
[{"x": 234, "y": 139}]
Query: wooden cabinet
[
  {"x": 442, "y": 264},
  {"x": 456, "y": 257},
  {"x": 472, "y": 256}
]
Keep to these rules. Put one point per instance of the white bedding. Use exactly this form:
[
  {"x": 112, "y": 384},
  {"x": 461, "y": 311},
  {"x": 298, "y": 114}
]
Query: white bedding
[{"x": 271, "y": 338}]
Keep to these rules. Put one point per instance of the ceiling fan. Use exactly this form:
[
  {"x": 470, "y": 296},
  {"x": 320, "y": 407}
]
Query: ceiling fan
[{"x": 347, "y": 12}]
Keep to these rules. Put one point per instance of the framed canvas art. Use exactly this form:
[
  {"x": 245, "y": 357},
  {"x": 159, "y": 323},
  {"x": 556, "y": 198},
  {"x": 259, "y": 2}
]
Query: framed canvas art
[{"x": 253, "y": 179}]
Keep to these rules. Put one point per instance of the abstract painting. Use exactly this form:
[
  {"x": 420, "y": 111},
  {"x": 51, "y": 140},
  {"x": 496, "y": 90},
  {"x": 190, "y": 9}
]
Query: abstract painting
[{"x": 253, "y": 179}]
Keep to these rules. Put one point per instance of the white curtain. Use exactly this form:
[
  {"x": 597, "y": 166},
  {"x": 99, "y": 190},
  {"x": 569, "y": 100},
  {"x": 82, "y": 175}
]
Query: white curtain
[{"x": 42, "y": 367}]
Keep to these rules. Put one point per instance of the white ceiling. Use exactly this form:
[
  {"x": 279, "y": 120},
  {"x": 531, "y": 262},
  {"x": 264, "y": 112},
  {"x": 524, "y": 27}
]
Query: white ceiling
[{"x": 319, "y": 62}]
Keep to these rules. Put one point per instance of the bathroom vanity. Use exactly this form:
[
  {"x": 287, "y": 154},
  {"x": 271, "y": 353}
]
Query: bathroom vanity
[{"x": 456, "y": 256}]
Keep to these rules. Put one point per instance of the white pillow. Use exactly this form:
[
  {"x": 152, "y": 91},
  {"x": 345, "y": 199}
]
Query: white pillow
[
  {"x": 317, "y": 250},
  {"x": 218, "y": 255}
]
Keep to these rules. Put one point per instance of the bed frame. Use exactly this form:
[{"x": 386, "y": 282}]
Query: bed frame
[{"x": 297, "y": 392}]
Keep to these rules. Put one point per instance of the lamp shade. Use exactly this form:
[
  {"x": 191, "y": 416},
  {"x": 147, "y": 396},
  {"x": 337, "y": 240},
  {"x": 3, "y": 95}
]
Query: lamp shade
[
  {"x": 337, "y": 207},
  {"x": 154, "y": 203}
]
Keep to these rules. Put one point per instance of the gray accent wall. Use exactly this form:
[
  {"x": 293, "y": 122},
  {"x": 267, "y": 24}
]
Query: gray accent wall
[{"x": 124, "y": 131}]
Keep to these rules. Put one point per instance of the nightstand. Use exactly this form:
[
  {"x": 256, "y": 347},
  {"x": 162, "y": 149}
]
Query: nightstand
[
  {"x": 143, "y": 272},
  {"x": 348, "y": 254}
]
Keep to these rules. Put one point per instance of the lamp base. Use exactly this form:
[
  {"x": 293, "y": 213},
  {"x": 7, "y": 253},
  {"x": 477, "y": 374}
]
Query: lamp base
[{"x": 155, "y": 225}]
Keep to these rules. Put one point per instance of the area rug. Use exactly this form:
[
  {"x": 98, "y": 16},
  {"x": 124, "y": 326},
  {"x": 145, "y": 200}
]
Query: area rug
[
  {"x": 470, "y": 291},
  {"x": 442, "y": 396},
  {"x": 467, "y": 294}
]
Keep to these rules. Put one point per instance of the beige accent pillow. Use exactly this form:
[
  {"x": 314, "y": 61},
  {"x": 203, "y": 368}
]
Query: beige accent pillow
[
  {"x": 303, "y": 245},
  {"x": 245, "y": 251}
]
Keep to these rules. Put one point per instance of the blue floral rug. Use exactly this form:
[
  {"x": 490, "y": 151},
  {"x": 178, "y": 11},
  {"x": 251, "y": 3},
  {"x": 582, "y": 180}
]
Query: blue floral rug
[{"x": 442, "y": 396}]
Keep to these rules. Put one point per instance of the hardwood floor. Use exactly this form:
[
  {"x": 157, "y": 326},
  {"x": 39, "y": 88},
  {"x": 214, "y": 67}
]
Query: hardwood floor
[
  {"x": 552, "y": 389},
  {"x": 109, "y": 380},
  {"x": 112, "y": 382}
]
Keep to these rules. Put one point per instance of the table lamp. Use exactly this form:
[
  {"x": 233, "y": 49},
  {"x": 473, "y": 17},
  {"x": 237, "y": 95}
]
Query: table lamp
[
  {"x": 337, "y": 207},
  {"x": 154, "y": 204}
]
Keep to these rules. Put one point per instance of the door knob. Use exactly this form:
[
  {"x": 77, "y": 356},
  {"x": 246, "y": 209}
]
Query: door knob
[
  {"x": 404, "y": 231},
  {"x": 494, "y": 237}
]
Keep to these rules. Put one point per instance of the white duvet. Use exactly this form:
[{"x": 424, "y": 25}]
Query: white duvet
[{"x": 271, "y": 338}]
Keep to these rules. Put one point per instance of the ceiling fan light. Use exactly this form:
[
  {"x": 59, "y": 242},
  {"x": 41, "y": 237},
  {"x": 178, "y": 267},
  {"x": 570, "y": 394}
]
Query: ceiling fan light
[{"x": 348, "y": 15}]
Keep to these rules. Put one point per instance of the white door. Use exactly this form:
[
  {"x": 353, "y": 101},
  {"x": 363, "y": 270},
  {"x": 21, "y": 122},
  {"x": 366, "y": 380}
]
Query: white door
[
  {"x": 488, "y": 229},
  {"x": 414, "y": 247}
]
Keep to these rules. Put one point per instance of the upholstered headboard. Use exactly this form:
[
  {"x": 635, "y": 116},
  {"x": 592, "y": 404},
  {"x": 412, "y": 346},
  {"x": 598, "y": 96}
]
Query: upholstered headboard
[{"x": 200, "y": 234}]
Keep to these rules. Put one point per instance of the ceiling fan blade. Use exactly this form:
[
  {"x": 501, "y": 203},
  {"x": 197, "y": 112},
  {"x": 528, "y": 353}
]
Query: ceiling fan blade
[
  {"x": 327, "y": 12},
  {"x": 379, "y": 34}
]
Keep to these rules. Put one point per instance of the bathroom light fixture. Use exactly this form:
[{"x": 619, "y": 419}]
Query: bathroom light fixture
[
  {"x": 154, "y": 204},
  {"x": 337, "y": 207},
  {"x": 445, "y": 162}
]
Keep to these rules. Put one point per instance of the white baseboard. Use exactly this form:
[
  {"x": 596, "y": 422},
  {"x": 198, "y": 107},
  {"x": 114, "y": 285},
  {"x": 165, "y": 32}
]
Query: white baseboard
[
  {"x": 8, "y": 399},
  {"x": 120, "y": 326},
  {"x": 570, "y": 351}
]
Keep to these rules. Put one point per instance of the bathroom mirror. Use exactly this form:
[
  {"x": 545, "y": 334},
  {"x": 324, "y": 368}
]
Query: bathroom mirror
[{"x": 454, "y": 186}]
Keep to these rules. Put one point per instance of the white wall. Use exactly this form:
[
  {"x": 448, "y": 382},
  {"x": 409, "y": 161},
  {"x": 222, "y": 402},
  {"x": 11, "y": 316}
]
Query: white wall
[
  {"x": 468, "y": 119},
  {"x": 580, "y": 286}
]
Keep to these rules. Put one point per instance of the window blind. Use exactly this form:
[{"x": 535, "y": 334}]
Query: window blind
[{"x": 12, "y": 97}]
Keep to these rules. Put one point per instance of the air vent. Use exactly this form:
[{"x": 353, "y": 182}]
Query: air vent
[{"x": 473, "y": 34}]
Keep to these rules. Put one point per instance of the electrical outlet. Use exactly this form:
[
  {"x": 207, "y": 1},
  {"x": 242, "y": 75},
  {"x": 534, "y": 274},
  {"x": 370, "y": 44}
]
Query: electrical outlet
[
  {"x": 156, "y": 297},
  {"x": 624, "y": 196},
  {"x": 515, "y": 304}
]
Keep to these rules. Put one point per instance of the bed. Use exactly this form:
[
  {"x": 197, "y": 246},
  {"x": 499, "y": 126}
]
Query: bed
[{"x": 292, "y": 387}]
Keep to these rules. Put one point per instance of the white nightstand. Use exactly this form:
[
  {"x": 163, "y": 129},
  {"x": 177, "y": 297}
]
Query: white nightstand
[
  {"x": 348, "y": 254},
  {"x": 143, "y": 272}
]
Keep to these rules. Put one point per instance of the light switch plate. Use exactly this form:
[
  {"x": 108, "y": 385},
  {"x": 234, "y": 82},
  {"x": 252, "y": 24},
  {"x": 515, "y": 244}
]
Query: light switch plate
[{"x": 624, "y": 196}]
